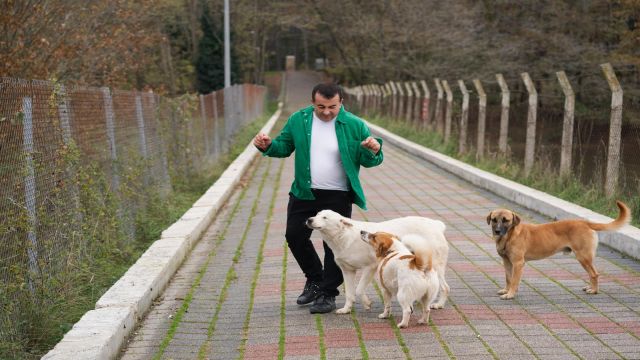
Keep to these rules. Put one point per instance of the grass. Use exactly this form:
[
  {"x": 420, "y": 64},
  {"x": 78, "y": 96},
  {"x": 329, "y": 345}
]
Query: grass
[{"x": 542, "y": 177}]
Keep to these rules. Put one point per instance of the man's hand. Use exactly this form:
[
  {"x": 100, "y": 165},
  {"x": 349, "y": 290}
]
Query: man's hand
[
  {"x": 371, "y": 144},
  {"x": 262, "y": 141}
]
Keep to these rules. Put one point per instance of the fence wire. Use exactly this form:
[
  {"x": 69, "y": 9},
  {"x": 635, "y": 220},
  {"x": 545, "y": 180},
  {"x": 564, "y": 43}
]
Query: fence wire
[{"x": 70, "y": 155}]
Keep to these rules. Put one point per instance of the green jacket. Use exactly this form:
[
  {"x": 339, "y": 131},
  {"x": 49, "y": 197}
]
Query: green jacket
[{"x": 350, "y": 132}]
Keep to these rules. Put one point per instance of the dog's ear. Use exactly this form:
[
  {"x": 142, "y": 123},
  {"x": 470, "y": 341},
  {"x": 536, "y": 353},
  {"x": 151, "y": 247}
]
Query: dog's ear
[
  {"x": 489, "y": 218},
  {"x": 516, "y": 218},
  {"x": 346, "y": 223}
]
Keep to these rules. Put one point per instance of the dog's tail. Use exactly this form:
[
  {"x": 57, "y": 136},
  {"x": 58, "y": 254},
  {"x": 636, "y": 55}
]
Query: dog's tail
[
  {"x": 623, "y": 219},
  {"x": 421, "y": 260}
]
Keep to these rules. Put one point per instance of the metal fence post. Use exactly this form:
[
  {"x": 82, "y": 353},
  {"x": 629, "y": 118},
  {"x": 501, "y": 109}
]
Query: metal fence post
[
  {"x": 504, "y": 115},
  {"x": 615, "y": 131},
  {"x": 482, "y": 113},
  {"x": 464, "y": 117},
  {"x": 567, "y": 124},
  {"x": 530, "y": 144}
]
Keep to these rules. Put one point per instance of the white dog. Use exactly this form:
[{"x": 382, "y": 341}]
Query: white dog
[
  {"x": 411, "y": 277},
  {"x": 342, "y": 235}
]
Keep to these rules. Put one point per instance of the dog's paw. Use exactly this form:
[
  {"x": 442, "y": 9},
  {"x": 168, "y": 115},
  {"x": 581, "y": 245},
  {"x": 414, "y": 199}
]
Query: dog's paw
[
  {"x": 436, "y": 306},
  {"x": 343, "y": 310},
  {"x": 589, "y": 290},
  {"x": 507, "y": 296},
  {"x": 502, "y": 291},
  {"x": 402, "y": 326},
  {"x": 367, "y": 305},
  {"x": 383, "y": 316}
]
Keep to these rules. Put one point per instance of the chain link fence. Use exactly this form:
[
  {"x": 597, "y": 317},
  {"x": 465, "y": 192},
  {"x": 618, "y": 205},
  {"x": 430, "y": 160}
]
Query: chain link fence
[{"x": 79, "y": 164}]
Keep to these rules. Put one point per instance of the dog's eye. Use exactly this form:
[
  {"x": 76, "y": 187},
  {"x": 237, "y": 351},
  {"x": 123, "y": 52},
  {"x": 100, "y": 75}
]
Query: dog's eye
[
  {"x": 505, "y": 220},
  {"x": 324, "y": 217},
  {"x": 494, "y": 220}
]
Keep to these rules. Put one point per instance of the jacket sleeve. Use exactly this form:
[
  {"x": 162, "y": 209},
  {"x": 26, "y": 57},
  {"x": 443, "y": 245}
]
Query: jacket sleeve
[
  {"x": 367, "y": 158},
  {"x": 282, "y": 146}
]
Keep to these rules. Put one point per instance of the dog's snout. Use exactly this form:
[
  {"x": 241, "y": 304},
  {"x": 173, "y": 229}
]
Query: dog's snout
[{"x": 363, "y": 233}]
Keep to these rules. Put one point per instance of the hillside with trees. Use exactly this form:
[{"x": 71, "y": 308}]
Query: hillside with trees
[{"x": 173, "y": 46}]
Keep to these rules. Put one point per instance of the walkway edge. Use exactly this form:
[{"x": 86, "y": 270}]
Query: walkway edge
[
  {"x": 625, "y": 240},
  {"x": 100, "y": 333}
]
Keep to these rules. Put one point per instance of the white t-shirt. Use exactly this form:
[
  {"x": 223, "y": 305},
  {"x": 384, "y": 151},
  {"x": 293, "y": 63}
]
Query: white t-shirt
[{"x": 327, "y": 172}]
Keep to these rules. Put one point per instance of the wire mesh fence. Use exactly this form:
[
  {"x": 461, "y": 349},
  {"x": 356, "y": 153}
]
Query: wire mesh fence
[
  {"x": 77, "y": 165},
  {"x": 600, "y": 153}
]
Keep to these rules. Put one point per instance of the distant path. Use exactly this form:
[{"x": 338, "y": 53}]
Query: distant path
[{"x": 234, "y": 295}]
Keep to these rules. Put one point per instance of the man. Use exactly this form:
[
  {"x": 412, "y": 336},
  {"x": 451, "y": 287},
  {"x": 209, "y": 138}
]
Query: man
[{"x": 330, "y": 144}]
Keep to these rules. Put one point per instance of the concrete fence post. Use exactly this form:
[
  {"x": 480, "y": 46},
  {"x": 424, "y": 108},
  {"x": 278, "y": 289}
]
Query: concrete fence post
[
  {"x": 464, "y": 117},
  {"x": 385, "y": 99},
  {"x": 30, "y": 190},
  {"x": 203, "y": 117},
  {"x": 532, "y": 114},
  {"x": 111, "y": 137},
  {"x": 64, "y": 112},
  {"x": 401, "y": 100},
  {"x": 567, "y": 124},
  {"x": 615, "y": 131},
  {"x": 216, "y": 125},
  {"x": 504, "y": 115},
  {"x": 449, "y": 111},
  {"x": 409, "y": 106},
  {"x": 394, "y": 100},
  {"x": 439, "y": 119},
  {"x": 141, "y": 127},
  {"x": 482, "y": 113},
  {"x": 424, "y": 113},
  {"x": 417, "y": 104}
]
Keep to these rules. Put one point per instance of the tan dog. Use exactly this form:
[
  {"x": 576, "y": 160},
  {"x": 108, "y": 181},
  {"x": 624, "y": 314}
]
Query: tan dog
[
  {"x": 411, "y": 277},
  {"x": 517, "y": 243}
]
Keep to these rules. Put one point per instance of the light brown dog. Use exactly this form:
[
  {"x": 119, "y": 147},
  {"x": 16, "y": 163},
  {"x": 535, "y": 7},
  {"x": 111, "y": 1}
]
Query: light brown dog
[{"x": 517, "y": 242}]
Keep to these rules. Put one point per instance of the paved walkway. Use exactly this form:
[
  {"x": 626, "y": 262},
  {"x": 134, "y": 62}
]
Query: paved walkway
[{"x": 234, "y": 297}]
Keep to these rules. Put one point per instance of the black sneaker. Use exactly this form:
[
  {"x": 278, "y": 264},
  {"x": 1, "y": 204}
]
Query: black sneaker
[
  {"x": 310, "y": 293},
  {"x": 323, "y": 304}
]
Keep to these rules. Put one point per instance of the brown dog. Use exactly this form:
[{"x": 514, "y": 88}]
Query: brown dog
[{"x": 517, "y": 243}]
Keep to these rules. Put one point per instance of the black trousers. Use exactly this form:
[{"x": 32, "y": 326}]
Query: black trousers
[{"x": 298, "y": 236}]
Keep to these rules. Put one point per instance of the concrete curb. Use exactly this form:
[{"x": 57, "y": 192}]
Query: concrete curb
[
  {"x": 625, "y": 240},
  {"x": 100, "y": 333}
]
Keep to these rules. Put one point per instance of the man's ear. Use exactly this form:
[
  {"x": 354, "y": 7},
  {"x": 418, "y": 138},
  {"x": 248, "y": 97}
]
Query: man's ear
[
  {"x": 489, "y": 218},
  {"x": 516, "y": 219},
  {"x": 346, "y": 223}
]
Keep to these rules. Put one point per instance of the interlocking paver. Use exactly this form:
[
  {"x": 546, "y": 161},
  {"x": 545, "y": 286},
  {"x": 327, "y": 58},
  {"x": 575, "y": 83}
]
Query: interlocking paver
[{"x": 246, "y": 306}]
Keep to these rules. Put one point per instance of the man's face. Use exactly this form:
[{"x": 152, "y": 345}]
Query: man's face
[{"x": 327, "y": 109}]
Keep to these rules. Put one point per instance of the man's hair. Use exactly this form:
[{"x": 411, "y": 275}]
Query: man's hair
[{"x": 327, "y": 90}]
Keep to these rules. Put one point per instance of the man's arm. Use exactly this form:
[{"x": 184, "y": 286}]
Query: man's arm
[
  {"x": 282, "y": 146},
  {"x": 372, "y": 154}
]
